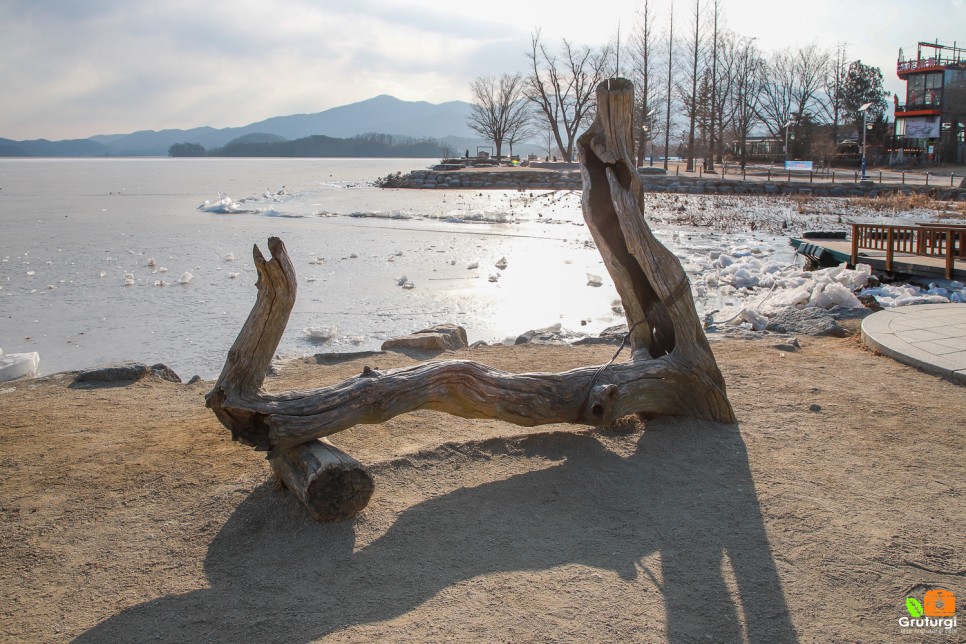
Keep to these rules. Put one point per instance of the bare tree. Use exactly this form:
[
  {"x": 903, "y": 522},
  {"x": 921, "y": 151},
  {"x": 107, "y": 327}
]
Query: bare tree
[
  {"x": 670, "y": 77},
  {"x": 811, "y": 70},
  {"x": 713, "y": 107},
  {"x": 498, "y": 112},
  {"x": 523, "y": 127},
  {"x": 644, "y": 77},
  {"x": 562, "y": 89},
  {"x": 777, "y": 102},
  {"x": 744, "y": 98},
  {"x": 689, "y": 96},
  {"x": 834, "y": 81},
  {"x": 727, "y": 77}
]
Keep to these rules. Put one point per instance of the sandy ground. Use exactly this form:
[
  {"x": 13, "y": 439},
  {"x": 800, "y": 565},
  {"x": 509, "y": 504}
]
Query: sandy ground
[{"x": 129, "y": 515}]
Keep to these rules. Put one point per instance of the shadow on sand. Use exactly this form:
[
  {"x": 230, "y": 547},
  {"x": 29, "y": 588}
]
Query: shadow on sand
[{"x": 685, "y": 492}]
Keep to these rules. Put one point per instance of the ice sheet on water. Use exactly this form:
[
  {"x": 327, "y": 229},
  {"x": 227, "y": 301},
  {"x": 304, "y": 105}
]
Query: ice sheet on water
[
  {"x": 825, "y": 296},
  {"x": 391, "y": 214},
  {"x": 320, "y": 334},
  {"x": 475, "y": 217},
  {"x": 18, "y": 365},
  {"x": 223, "y": 205}
]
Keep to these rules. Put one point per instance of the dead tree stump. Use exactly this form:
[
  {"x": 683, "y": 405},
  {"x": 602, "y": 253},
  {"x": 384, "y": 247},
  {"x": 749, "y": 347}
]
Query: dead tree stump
[{"x": 672, "y": 370}]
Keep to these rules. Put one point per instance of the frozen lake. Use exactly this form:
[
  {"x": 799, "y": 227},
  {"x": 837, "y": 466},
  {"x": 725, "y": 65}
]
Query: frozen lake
[
  {"x": 92, "y": 252},
  {"x": 74, "y": 230}
]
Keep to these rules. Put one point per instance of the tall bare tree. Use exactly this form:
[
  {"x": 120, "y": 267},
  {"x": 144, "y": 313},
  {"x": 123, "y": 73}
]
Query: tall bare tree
[
  {"x": 562, "y": 87},
  {"x": 748, "y": 81},
  {"x": 689, "y": 95},
  {"x": 811, "y": 70},
  {"x": 837, "y": 68},
  {"x": 644, "y": 77},
  {"x": 713, "y": 107},
  {"x": 777, "y": 102},
  {"x": 498, "y": 111},
  {"x": 727, "y": 71},
  {"x": 670, "y": 77}
]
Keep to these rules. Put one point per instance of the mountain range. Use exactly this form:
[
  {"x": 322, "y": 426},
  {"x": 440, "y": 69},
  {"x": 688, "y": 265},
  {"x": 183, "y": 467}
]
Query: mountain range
[{"x": 381, "y": 114}]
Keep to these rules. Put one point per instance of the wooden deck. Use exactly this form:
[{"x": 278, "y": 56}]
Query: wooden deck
[{"x": 840, "y": 250}]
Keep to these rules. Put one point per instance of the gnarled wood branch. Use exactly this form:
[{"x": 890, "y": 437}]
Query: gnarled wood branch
[{"x": 672, "y": 370}]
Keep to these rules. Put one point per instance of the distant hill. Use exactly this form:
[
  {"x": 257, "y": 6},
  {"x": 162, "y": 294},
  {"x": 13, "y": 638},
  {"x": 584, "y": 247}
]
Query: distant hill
[
  {"x": 256, "y": 139},
  {"x": 368, "y": 145},
  {"x": 45, "y": 148},
  {"x": 382, "y": 114}
]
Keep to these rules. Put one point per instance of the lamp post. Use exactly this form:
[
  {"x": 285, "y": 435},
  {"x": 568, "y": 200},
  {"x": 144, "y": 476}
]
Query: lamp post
[
  {"x": 865, "y": 111},
  {"x": 791, "y": 122}
]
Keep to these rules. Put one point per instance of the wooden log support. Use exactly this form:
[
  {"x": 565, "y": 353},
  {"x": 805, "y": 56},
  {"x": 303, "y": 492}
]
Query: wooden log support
[
  {"x": 671, "y": 371},
  {"x": 332, "y": 485}
]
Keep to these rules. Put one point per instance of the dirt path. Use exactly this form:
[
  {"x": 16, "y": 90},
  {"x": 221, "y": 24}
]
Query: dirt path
[{"x": 128, "y": 514}]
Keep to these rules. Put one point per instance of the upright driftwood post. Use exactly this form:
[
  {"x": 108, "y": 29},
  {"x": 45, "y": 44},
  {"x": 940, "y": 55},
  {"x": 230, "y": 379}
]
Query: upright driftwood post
[
  {"x": 653, "y": 286},
  {"x": 672, "y": 370}
]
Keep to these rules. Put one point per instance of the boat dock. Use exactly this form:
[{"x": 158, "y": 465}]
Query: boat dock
[{"x": 925, "y": 250}]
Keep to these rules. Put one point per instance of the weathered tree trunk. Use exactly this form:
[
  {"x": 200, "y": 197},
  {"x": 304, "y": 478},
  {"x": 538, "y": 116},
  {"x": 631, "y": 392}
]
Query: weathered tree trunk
[{"x": 672, "y": 370}]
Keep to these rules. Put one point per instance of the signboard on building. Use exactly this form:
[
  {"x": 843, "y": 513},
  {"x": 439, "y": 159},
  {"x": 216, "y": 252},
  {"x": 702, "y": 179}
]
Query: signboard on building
[
  {"x": 912, "y": 65},
  {"x": 922, "y": 127}
]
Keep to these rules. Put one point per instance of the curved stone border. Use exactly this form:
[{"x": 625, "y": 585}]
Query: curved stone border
[{"x": 931, "y": 337}]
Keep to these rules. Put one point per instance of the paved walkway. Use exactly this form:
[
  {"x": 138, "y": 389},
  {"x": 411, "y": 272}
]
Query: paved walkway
[{"x": 929, "y": 336}]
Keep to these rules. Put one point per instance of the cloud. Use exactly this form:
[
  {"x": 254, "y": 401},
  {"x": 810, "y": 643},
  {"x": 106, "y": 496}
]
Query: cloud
[
  {"x": 106, "y": 66},
  {"x": 74, "y": 68}
]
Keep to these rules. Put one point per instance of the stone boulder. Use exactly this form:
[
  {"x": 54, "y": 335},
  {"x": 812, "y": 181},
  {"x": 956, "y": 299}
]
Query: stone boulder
[
  {"x": 807, "y": 321},
  {"x": 127, "y": 372},
  {"x": 552, "y": 334},
  {"x": 442, "y": 337}
]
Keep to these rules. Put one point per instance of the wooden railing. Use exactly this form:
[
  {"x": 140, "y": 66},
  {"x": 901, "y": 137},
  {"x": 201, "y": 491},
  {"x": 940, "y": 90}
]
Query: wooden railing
[{"x": 931, "y": 240}]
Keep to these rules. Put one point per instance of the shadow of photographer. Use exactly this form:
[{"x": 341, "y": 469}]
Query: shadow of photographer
[{"x": 685, "y": 493}]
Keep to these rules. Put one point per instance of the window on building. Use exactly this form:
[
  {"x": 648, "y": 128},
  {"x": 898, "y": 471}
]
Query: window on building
[
  {"x": 915, "y": 89},
  {"x": 955, "y": 79},
  {"x": 933, "y": 95}
]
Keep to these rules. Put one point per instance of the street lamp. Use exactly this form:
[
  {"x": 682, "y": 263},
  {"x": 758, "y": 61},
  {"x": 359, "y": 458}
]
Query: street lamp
[
  {"x": 865, "y": 111},
  {"x": 791, "y": 122}
]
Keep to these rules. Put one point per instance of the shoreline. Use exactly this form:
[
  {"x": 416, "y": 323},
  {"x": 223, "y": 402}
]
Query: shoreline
[
  {"x": 782, "y": 183},
  {"x": 705, "y": 528},
  {"x": 837, "y": 322}
]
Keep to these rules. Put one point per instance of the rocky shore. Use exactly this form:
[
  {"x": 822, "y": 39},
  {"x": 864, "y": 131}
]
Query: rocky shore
[{"x": 538, "y": 179}]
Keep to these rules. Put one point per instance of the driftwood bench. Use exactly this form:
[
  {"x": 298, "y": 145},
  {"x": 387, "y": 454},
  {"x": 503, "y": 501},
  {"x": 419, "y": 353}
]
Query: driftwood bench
[{"x": 671, "y": 370}]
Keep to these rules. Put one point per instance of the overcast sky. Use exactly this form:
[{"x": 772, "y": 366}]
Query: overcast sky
[{"x": 75, "y": 68}]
